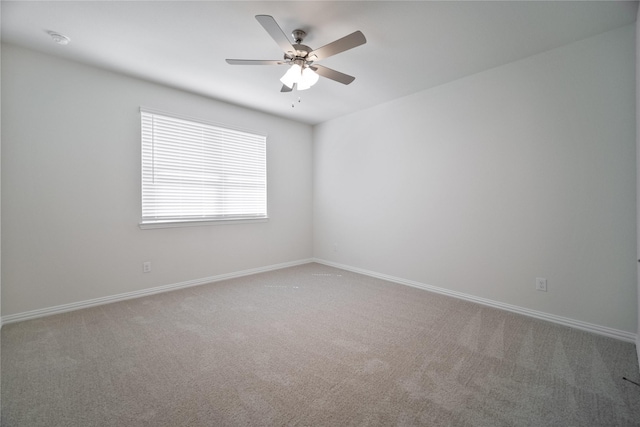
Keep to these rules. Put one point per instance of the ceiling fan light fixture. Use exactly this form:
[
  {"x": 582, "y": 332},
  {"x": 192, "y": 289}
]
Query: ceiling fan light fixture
[{"x": 303, "y": 78}]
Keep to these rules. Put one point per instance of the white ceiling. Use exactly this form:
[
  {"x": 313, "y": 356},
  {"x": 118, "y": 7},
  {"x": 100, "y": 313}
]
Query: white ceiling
[{"x": 411, "y": 46}]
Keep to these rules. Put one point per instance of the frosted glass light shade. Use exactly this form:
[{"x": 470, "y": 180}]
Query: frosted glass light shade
[
  {"x": 292, "y": 76},
  {"x": 308, "y": 79}
]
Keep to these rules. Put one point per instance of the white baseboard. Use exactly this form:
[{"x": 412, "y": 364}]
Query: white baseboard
[
  {"x": 589, "y": 327},
  {"x": 27, "y": 315},
  {"x": 577, "y": 324}
]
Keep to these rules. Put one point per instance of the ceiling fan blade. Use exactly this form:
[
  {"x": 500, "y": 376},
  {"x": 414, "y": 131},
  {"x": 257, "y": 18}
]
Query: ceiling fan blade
[
  {"x": 333, "y": 74},
  {"x": 253, "y": 62},
  {"x": 286, "y": 88},
  {"x": 347, "y": 42},
  {"x": 275, "y": 32}
]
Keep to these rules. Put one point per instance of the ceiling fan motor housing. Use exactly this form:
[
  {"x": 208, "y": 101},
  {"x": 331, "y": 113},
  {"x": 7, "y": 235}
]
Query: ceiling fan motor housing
[{"x": 301, "y": 52}]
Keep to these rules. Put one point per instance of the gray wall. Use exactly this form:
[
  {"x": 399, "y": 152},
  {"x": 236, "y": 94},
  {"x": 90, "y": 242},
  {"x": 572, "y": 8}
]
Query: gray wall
[
  {"x": 481, "y": 185},
  {"x": 71, "y": 188}
]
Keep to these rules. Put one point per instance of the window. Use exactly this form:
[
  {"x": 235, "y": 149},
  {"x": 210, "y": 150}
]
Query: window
[{"x": 194, "y": 172}]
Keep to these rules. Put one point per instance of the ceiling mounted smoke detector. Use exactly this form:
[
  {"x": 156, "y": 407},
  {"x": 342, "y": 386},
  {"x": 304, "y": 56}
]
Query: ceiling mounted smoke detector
[{"x": 59, "y": 38}]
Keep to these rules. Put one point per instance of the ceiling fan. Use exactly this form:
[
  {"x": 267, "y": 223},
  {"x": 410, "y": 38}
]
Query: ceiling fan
[{"x": 302, "y": 72}]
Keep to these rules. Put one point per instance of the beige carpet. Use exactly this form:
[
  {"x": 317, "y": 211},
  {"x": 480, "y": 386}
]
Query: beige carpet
[{"x": 310, "y": 345}]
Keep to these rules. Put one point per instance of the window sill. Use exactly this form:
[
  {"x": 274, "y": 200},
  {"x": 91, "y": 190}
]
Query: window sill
[{"x": 198, "y": 223}]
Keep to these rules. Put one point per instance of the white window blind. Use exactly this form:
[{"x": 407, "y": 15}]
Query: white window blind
[{"x": 199, "y": 172}]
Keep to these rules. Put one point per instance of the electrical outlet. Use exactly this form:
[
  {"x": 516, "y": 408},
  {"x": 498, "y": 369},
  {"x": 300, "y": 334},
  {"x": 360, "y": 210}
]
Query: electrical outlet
[
  {"x": 541, "y": 284},
  {"x": 146, "y": 267}
]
